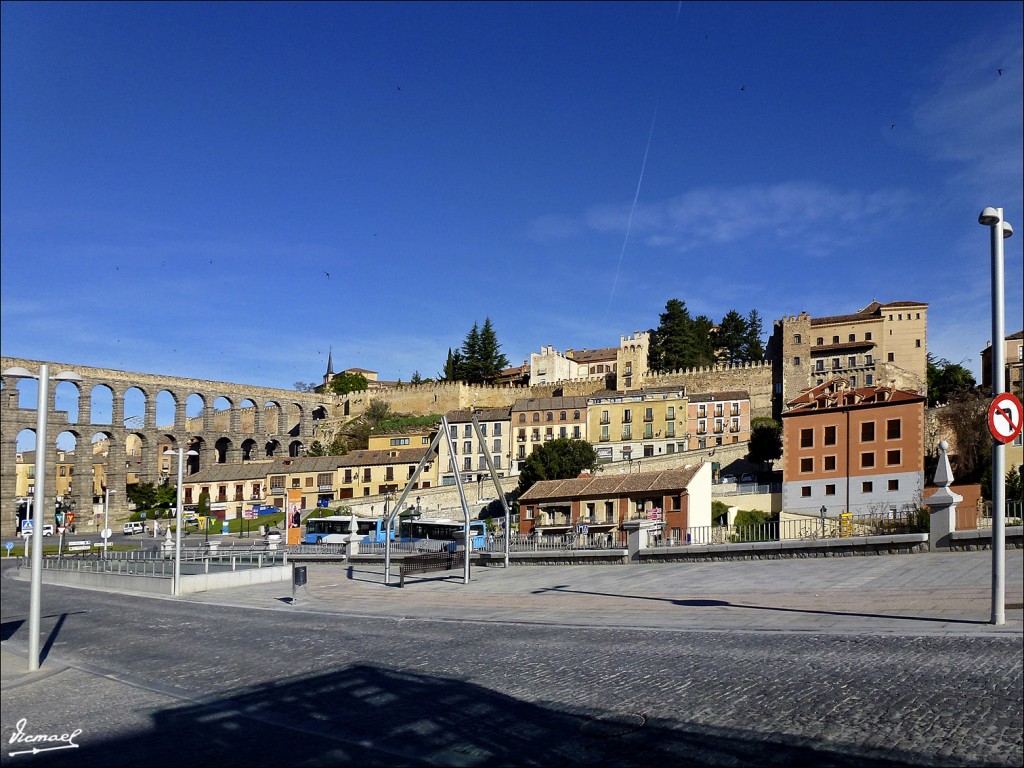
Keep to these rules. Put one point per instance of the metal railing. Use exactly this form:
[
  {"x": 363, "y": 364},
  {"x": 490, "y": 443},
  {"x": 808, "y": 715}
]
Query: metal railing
[
  {"x": 1014, "y": 513},
  {"x": 807, "y": 528},
  {"x": 158, "y": 564}
]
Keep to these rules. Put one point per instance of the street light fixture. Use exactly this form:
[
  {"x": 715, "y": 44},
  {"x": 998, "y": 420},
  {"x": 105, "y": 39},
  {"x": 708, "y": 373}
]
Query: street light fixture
[
  {"x": 1000, "y": 230},
  {"x": 176, "y": 582},
  {"x": 38, "y": 515}
]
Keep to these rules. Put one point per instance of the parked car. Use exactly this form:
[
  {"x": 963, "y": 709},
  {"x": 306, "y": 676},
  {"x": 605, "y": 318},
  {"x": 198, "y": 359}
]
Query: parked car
[
  {"x": 727, "y": 479},
  {"x": 47, "y": 530},
  {"x": 129, "y": 528},
  {"x": 748, "y": 478}
]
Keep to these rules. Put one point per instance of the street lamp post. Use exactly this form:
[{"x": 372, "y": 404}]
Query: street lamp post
[
  {"x": 999, "y": 230},
  {"x": 176, "y": 584},
  {"x": 38, "y": 513}
]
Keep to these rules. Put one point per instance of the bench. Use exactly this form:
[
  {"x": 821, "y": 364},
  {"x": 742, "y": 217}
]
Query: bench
[
  {"x": 78, "y": 546},
  {"x": 429, "y": 562}
]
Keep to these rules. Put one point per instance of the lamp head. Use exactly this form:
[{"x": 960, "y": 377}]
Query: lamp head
[
  {"x": 1007, "y": 230},
  {"x": 989, "y": 217},
  {"x": 19, "y": 373}
]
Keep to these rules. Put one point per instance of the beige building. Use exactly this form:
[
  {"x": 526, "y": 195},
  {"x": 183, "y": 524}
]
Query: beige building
[
  {"x": 326, "y": 480},
  {"x": 880, "y": 345},
  {"x": 538, "y": 420},
  {"x": 635, "y": 424},
  {"x": 495, "y": 424}
]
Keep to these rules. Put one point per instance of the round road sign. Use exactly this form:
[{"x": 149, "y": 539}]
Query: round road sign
[
  {"x": 1004, "y": 417},
  {"x": 106, "y": 534}
]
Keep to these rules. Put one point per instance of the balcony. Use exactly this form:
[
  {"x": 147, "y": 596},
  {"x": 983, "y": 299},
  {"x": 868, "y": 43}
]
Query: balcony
[{"x": 325, "y": 488}]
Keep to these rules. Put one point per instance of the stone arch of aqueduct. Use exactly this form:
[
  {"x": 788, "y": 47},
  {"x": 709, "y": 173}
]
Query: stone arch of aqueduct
[{"x": 236, "y": 423}]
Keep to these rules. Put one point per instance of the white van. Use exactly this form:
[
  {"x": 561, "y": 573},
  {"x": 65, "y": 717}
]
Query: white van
[{"x": 130, "y": 528}]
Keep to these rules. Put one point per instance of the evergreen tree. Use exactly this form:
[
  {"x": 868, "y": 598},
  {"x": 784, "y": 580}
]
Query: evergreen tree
[
  {"x": 753, "y": 351},
  {"x": 701, "y": 342},
  {"x": 471, "y": 369},
  {"x": 492, "y": 361},
  {"x": 452, "y": 367},
  {"x": 732, "y": 338},
  {"x": 668, "y": 346}
]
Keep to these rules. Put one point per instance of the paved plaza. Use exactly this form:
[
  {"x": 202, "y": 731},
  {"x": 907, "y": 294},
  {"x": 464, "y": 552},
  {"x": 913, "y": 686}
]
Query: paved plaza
[{"x": 885, "y": 660}]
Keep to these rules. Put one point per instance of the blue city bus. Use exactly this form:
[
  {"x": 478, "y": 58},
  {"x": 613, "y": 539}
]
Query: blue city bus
[
  {"x": 444, "y": 534},
  {"x": 337, "y": 529}
]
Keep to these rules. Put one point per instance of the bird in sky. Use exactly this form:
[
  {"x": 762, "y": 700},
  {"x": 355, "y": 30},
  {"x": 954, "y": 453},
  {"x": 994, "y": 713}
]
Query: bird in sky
[
  {"x": 892, "y": 126},
  {"x": 328, "y": 275},
  {"x": 1000, "y": 72},
  {"x": 743, "y": 87}
]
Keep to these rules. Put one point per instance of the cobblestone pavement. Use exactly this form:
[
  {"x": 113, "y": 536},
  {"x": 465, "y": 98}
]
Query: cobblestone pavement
[{"x": 241, "y": 677}]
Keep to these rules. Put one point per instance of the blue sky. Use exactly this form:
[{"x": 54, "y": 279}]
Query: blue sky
[{"x": 227, "y": 191}]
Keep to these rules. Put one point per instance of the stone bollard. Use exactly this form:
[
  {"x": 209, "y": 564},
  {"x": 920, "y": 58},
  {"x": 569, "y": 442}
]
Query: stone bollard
[
  {"x": 639, "y": 537},
  {"x": 942, "y": 504}
]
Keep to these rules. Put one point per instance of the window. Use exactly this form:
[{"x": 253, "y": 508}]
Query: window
[
  {"x": 536, "y": 417},
  {"x": 805, "y": 491},
  {"x": 549, "y": 416},
  {"x": 867, "y": 460},
  {"x": 867, "y": 486},
  {"x": 894, "y": 485},
  {"x": 562, "y": 432},
  {"x": 821, "y": 340},
  {"x": 830, "y": 463},
  {"x": 807, "y": 464},
  {"x": 627, "y": 432},
  {"x": 892, "y": 458},
  {"x": 535, "y": 434},
  {"x": 467, "y": 430},
  {"x": 366, "y": 474},
  {"x": 819, "y": 365},
  {"x": 467, "y": 464},
  {"x": 891, "y": 357},
  {"x": 497, "y": 445},
  {"x": 869, "y": 380},
  {"x": 796, "y": 361},
  {"x": 830, "y": 489},
  {"x": 497, "y": 430},
  {"x": 627, "y": 416},
  {"x": 869, "y": 360},
  {"x": 575, "y": 415},
  {"x": 867, "y": 336},
  {"x": 893, "y": 429},
  {"x": 576, "y": 432},
  {"x": 807, "y": 438},
  {"x": 670, "y": 413},
  {"x": 522, "y": 418},
  {"x": 561, "y": 416},
  {"x": 648, "y": 414},
  {"x": 455, "y": 433},
  {"x": 389, "y": 473},
  {"x": 853, "y": 337},
  {"x": 467, "y": 446},
  {"x": 648, "y": 431},
  {"x": 399, "y": 441},
  {"x": 851, "y": 361},
  {"x": 917, "y": 343},
  {"x": 702, "y": 411},
  {"x": 867, "y": 432},
  {"x": 830, "y": 435},
  {"x": 483, "y": 430},
  {"x": 670, "y": 429},
  {"x": 796, "y": 338},
  {"x": 835, "y": 363}
]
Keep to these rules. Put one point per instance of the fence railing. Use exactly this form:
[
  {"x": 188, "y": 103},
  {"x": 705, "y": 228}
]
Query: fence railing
[
  {"x": 496, "y": 544},
  {"x": 159, "y": 564},
  {"x": 1014, "y": 513},
  {"x": 805, "y": 528}
]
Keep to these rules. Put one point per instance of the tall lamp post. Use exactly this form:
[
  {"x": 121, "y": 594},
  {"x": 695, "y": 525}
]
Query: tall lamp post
[
  {"x": 176, "y": 583},
  {"x": 999, "y": 230},
  {"x": 38, "y": 514}
]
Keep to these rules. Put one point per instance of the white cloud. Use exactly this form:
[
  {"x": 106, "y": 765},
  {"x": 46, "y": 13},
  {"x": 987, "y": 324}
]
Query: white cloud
[{"x": 809, "y": 216}]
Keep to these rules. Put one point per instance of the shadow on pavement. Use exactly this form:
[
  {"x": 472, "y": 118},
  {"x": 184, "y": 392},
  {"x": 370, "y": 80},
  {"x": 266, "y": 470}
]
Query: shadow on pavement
[
  {"x": 368, "y": 716},
  {"x": 705, "y": 603}
]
